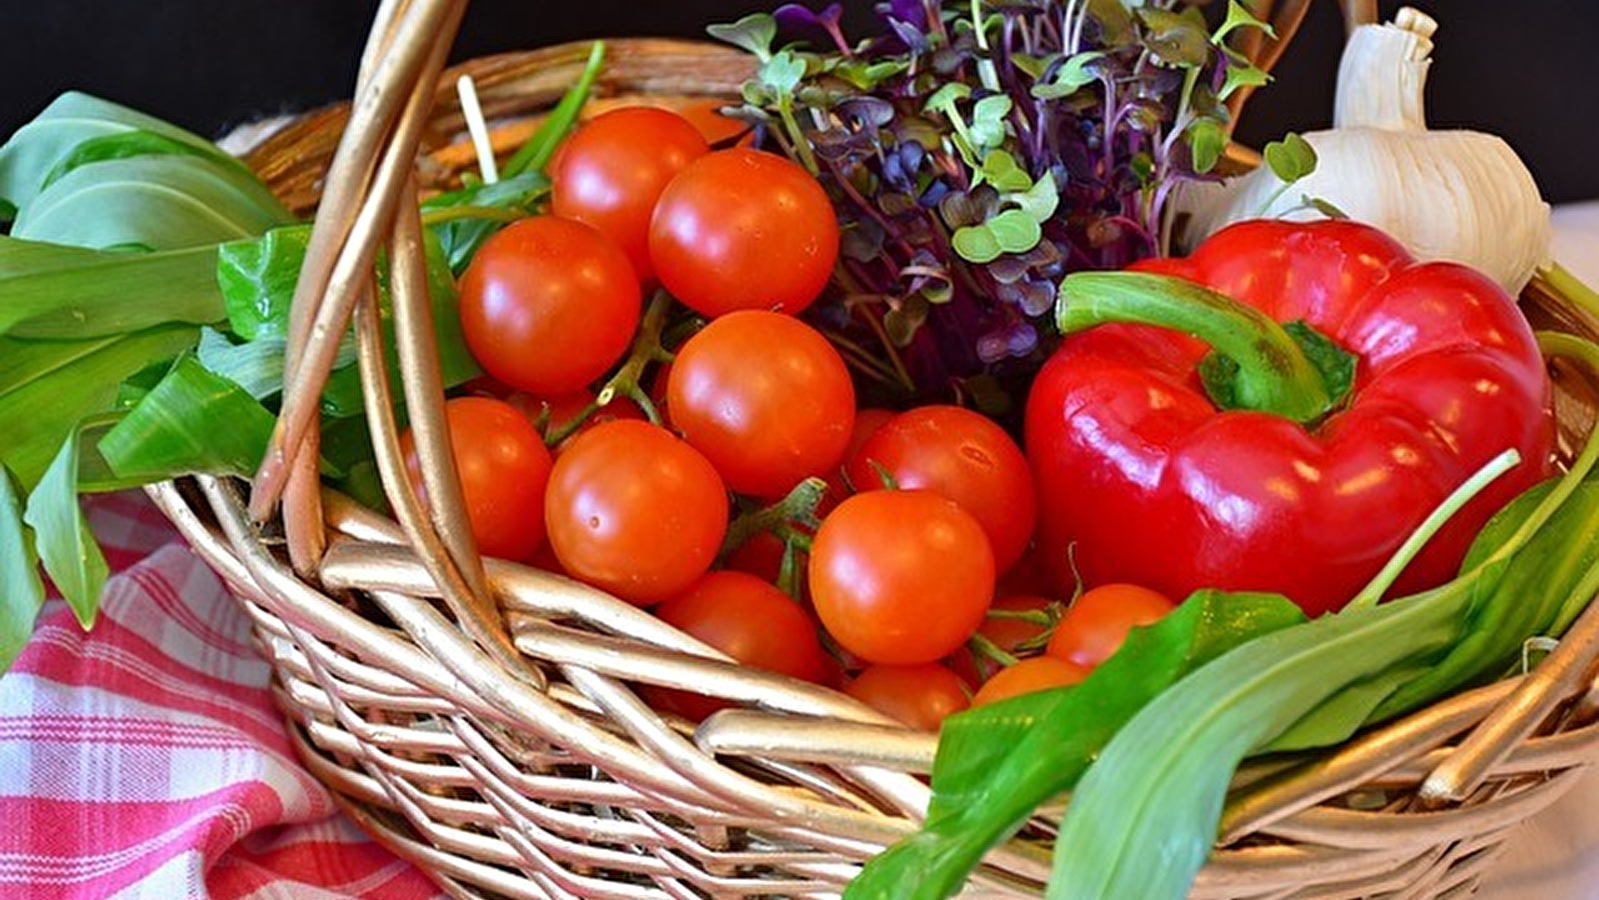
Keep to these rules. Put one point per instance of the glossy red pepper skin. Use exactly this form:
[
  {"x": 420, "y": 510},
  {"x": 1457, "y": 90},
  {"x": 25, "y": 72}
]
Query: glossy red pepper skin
[{"x": 1142, "y": 479}]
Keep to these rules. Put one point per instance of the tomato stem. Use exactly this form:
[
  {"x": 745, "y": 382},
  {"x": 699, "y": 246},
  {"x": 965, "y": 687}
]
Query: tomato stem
[
  {"x": 982, "y": 646},
  {"x": 792, "y": 520},
  {"x": 626, "y": 381},
  {"x": 433, "y": 217},
  {"x": 1264, "y": 369}
]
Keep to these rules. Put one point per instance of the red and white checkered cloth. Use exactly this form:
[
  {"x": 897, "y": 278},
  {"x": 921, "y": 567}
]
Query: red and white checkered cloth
[{"x": 144, "y": 760}]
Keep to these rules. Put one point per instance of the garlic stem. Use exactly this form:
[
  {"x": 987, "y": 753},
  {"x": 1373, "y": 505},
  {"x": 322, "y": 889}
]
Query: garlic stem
[{"x": 1382, "y": 75}]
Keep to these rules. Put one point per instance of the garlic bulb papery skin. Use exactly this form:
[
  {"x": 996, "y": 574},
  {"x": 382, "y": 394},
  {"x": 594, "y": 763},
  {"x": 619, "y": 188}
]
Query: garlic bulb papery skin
[{"x": 1457, "y": 195}]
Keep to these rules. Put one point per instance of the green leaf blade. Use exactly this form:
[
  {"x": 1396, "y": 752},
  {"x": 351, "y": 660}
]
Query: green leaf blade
[
  {"x": 57, "y": 291},
  {"x": 64, "y": 542},
  {"x": 22, "y": 591}
]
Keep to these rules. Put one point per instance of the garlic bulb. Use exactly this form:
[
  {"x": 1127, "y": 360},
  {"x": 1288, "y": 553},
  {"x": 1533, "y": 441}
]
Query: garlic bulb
[{"x": 1455, "y": 195}]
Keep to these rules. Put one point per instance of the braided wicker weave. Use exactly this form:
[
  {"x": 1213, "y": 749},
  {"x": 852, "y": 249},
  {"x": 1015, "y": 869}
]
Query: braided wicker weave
[{"x": 480, "y": 718}]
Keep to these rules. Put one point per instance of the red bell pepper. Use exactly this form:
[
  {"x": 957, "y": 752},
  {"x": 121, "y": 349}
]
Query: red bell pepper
[{"x": 1293, "y": 484}]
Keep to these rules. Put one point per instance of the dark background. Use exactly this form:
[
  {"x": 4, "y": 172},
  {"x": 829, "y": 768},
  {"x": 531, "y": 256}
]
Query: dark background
[{"x": 1523, "y": 70}]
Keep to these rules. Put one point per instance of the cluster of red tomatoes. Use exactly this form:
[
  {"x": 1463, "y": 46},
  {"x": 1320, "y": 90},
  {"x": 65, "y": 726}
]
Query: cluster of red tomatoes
[{"x": 692, "y": 453}]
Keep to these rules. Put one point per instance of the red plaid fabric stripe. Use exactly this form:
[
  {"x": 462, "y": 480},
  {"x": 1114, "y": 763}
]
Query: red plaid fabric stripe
[{"x": 143, "y": 760}]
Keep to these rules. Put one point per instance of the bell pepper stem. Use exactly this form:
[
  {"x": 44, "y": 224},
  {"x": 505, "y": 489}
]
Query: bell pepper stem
[{"x": 1268, "y": 371}]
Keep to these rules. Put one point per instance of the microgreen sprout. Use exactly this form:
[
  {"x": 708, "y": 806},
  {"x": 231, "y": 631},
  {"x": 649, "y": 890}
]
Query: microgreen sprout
[{"x": 979, "y": 151}]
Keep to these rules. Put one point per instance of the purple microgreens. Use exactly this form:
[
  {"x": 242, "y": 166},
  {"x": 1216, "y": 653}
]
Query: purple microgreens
[{"x": 977, "y": 151}]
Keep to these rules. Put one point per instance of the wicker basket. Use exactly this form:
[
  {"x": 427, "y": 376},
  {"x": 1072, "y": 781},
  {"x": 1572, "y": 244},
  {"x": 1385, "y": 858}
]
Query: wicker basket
[{"x": 480, "y": 719}]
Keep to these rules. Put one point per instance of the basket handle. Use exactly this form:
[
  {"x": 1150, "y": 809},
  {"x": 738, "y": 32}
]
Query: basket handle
[{"x": 369, "y": 201}]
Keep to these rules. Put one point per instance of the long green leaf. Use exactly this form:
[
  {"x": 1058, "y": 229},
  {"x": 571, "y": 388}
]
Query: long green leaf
[
  {"x": 65, "y": 544},
  {"x": 59, "y": 291},
  {"x": 42, "y": 146},
  {"x": 148, "y": 202},
  {"x": 1142, "y": 819},
  {"x": 178, "y": 428},
  {"x": 996, "y": 764},
  {"x": 21, "y": 588},
  {"x": 68, "y": 381}
]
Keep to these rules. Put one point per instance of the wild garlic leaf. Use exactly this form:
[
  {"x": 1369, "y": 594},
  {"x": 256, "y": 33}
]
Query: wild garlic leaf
[
  {"x": 65, "y": 544},
  {"x": 150, "y": 202},
  {"x": 138, "y": 142},
  {"x": 1143, "y": 818},
  {"x": 22, "y": 590},
  {"x": 173, "y": 430},
  {"x": 39, "y": 148},
  {"x": 997, "y": 764},
  {"x": 50, "y": 386},
  {"x": 258, "y": 277},
  {"x": 534, "y": 155},
  {"x": 58, "y": 291}
]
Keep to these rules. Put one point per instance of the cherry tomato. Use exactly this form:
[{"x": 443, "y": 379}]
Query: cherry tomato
[
  {"x": 900, "y": 576},
  {"x": 765, "y": 397},
  {"x": 1096, "y": 623},
  {"x": 613, "y": 169},
  {"x": 744, "y": 229},
  {"x": 634, "y": 510},
  {"x": 503, "y": 468},
  {"x": 548, "y": 305},
  {"x": 1036, "y": 673},
  {"x": 920, "y": 696},
  {"x": 751, "y": 621},
  {"x": 962, "y": 455}
]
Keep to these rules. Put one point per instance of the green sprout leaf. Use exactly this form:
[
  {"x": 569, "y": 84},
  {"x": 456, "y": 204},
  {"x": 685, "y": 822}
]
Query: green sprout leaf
[
  {"x": 1239, "y": 75},
  {"x": 65, "y": 544},
  {"x": 1207, "y": 140},
  {"x": 754, "y": 33},
  {"x": 1072, "y": 75},
  {"x": 988, "y": 129},
  {"x": 783, "y": 72},
  {"x": 21, "y": 589},
  {"x": 1040, "y": 200},
  {"x": 1291, "y": 158},
  {"x": 1176, "y": 39},
  {"x": 1000, "y": 170},
  {"x": 1239, "y": 16},
  {"x": 1011, "y": 231}
]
